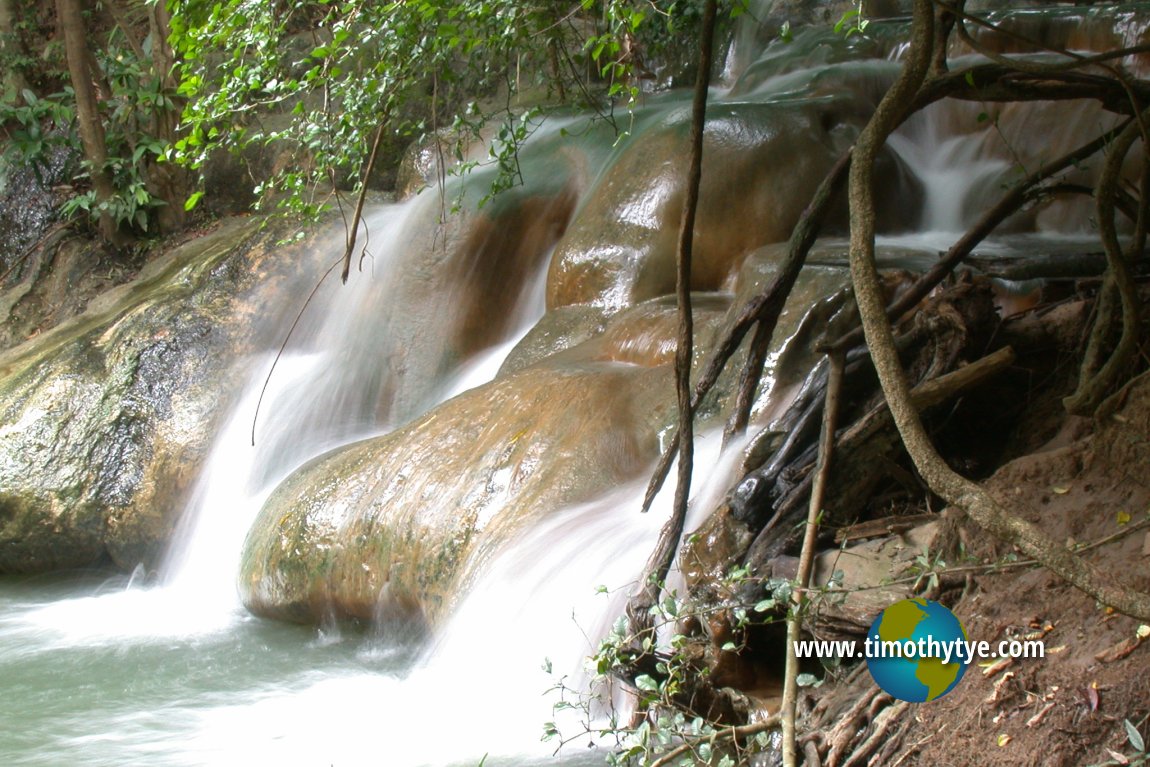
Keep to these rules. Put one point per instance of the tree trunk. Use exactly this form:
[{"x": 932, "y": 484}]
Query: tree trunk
[
  {"x": 87, "y": 111},
  {"x": 12, "y": 82},
  {"x": 170, "y": 182}
]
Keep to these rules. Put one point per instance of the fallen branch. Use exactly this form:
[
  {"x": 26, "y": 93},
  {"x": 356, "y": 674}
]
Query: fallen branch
[
  {"x": 867, "y": 431},
  {"x": 1041, "y": 266}
]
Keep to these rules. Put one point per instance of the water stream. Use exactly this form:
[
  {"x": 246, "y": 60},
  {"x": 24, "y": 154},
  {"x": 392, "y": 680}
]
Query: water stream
[
  {"x": 97, "y": 671},
  {"x": 112, "y": 672}
]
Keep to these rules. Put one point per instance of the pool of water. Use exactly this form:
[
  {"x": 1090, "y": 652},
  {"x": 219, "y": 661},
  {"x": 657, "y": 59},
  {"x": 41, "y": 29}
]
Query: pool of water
[{"x": 94, "y": 673}]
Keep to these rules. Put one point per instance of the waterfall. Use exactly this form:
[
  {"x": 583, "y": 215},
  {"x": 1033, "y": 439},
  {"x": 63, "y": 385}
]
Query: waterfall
[
  {"x": 953, "y": 167},
  {"x": 175, "y": 672},
  {"x": 481, "y": 681},
  {"x": 324, "y": 390}
]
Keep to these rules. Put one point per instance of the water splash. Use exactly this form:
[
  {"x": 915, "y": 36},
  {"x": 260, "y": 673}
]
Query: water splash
[
  {"x": 549, "y": 597},
  {"x": 328, "y": 388}
]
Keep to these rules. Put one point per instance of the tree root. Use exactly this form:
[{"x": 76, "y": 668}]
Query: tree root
[
  {"x": 978, "y": 504},
  {"x": 880, "y": 735},
  {"x": 655, "y": 573},
  {"x": 842, "y": 737},
  {"x": 1098, "y": 378}
]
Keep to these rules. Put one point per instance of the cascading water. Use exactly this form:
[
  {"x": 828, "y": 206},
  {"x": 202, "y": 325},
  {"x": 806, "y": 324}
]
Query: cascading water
[
  {"x": 178, "y": 674},
  {"x": 951, "y": 168},
  {"x": 321, "y": 393},
  {"x": 482, "y": 678},
  {"x": 324, "y": 391},
  {"x": 237, "y": 694}
]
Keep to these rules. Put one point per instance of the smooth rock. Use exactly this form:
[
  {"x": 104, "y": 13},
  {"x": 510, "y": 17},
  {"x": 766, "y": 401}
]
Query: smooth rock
[{"x": 390, "y": 524}]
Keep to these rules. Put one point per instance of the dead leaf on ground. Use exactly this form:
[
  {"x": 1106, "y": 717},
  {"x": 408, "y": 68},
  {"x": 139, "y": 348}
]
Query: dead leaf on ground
[
  {"x": 993, "y": 668},
  {"x": 1117, "y": 757},
  {"x": 1123, "y": 648},
  {"x": 1092, "y": 697},
  {"x": 997, "y": 694},
  {"x": 1037, "y": 718}
]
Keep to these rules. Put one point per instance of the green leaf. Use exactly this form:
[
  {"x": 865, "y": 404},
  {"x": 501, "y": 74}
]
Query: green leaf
[
  {"x": 765, "y": 605},
  {"x": 808, "y": 680},
  {"x": 193, "y": 198},
  {"x": 1134, "y": 737},
  {"x": 843, "y": 21},
  {"x": 646, "y": 683}
]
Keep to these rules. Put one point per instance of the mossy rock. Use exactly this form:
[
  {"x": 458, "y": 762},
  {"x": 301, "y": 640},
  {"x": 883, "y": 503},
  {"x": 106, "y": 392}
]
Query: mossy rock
[
  {"x": 107, "y": 417},
  {"x": 391, "y": 525}
]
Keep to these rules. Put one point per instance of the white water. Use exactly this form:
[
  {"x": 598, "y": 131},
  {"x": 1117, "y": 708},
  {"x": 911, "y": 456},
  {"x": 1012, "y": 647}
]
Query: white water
[
  {"x": 952, "y": 169},
  {"x": 209, "y": 686},
  {"x": 314, "y": 401},
  {"x": 479, "y": 687},
  {"x": 178, "y": 674}
]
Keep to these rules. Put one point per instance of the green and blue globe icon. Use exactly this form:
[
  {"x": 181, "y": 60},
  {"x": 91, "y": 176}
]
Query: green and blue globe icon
[{"x": 918, "y": 672}]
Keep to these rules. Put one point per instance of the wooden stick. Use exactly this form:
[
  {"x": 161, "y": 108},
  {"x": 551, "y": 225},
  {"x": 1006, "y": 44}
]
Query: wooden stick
[
  {"x": 807, "y": 556},
  {"x": 358, "y": 216}
]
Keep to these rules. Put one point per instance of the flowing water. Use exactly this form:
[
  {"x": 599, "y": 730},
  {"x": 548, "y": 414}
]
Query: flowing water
[
  {"x": 97, "y": 671},
  {"x": 113, "y": 672}
]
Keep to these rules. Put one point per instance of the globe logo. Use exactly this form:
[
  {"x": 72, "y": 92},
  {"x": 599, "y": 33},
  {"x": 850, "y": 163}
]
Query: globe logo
[{"x": 916, "y": 650}]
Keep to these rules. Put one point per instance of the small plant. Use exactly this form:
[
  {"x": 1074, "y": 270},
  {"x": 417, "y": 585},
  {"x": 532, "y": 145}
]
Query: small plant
[
  {"x": 927, "y": 568},
  {"x": 662, "y": 669},
  {"x": 35, "y": 128},
  {"x": 38, "y": 127},
  {"x": 852, "y": 22},
  {"x": 1138, "y": 755}
]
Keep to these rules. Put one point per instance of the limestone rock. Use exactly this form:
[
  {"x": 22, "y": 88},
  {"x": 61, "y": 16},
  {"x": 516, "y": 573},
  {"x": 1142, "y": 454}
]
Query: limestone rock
[
  {"x": 105, "y": 418},
  {"x": 392, "y": 522}
]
